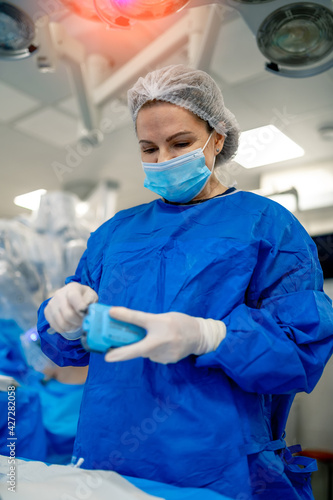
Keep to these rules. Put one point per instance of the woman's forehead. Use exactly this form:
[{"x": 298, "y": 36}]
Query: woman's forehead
[{"x": 166, "y": 118}]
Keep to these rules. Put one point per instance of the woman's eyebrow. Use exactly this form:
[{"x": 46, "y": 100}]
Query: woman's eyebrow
[
  {"x": 177, "y": 135},
  {"x": 169, "y": 138}
]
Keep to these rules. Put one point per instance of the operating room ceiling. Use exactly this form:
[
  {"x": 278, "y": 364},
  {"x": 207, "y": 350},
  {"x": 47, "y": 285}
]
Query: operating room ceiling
[{"x": 39, "y": 117}]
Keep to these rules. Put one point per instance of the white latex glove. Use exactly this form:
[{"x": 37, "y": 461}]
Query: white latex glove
[
  {"x": 170, "y": 336},
  {"x": 66, "y": 309}
]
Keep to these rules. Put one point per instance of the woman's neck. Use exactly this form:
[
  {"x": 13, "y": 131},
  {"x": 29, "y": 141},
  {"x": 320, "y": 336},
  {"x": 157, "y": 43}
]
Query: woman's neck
[{"x": 212, "y": 188}]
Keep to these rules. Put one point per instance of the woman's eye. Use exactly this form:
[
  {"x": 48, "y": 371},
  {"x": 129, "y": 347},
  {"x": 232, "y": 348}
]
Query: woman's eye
[
  {"x": 182, "y": 144},
  {"x": 149, "y": 151}
]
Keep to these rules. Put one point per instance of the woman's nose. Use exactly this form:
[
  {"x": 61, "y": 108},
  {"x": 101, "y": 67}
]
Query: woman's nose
[{"x": 164, "y": 155}]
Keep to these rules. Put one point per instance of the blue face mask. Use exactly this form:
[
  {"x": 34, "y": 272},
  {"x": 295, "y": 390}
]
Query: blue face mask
[{"x": 180, "y": 179}]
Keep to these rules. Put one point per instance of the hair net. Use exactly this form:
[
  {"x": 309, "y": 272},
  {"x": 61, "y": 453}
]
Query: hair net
[{"x": 193, "y": 90}]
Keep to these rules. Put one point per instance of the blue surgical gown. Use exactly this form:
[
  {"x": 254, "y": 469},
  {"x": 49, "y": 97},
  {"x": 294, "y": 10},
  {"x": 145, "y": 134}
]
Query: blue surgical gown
[{"x": 217, "y": 420}]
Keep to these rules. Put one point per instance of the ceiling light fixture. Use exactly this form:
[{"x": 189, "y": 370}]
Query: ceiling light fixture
[
  {"x": 30, "y": 200},
  {"x": 264, "y": 146}
]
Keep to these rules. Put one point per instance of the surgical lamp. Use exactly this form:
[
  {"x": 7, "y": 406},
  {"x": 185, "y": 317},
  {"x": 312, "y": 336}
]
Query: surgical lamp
[
  {"x": 111, "y": 16},
  {"x": 99, "y": 10},
  {"x": 296, "y": 38},
  {"x": 17, "y": 33},
  {"x": 113, "y": 12}
]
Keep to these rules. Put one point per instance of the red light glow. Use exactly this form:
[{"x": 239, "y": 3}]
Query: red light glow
[
  {"x": 111, "y": 16},
  {"x": 122, "y": 13},
  {"x": 148, "y": 9},
  {"x": 82, "y": 8}
]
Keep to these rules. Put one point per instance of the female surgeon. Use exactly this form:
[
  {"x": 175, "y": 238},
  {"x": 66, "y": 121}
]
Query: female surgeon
[{"x": 229, "y": 288}]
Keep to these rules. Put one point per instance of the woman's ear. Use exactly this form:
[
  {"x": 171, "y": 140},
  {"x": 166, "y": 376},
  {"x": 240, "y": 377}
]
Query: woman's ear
[{"x": 219, "y": 141}]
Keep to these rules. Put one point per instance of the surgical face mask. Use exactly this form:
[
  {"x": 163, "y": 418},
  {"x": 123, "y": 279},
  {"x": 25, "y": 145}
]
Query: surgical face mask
[{"x": 180, "y": 179}]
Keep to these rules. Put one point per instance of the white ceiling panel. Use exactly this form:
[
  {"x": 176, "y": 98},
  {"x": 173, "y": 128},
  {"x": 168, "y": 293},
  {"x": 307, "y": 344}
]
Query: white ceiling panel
[
  {"x": 113, "y": 115},
  {"x": 248, "y": 115},
  {"x": 69, "y": 105},
  {"x": 23, "y": 75},
  {"x": 236, "y": 56},
  {"x": 25, "y": 166},
  {"x": 330, "y": 74},
  {"x": 306, "y": 133},
  {"x": 27, "y": 160},
  {"x": 296, "y": 95},
  {"x": 14, "y": 103},
  {"x": 51, "y": 126}
]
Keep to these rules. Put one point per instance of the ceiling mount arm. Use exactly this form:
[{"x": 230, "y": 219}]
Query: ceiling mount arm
[
  {"x": 56, "y": 44},
  {"x": 164, "y": 45},
  {"x": 203, "y": 36}
]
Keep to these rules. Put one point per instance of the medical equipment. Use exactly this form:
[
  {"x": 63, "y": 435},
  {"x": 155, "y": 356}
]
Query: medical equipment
[
  {"x": 17, "y": 33},
  {"x": 35, "y": 357},
  {"x": 101, "y": 332}
]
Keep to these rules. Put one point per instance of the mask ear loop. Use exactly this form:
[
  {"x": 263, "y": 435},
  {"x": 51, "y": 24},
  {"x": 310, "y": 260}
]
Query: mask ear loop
[
  {"x": 208, "y": 140},
  {"x": 204, "y": 148}
]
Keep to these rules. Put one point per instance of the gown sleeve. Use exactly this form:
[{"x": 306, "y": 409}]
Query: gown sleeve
[
  {"x": 60, "y": 350},
  {"x": 280, "y": 338}
]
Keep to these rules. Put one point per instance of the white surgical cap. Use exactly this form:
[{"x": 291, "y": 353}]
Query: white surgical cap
[{"x": 193, "y": 90}]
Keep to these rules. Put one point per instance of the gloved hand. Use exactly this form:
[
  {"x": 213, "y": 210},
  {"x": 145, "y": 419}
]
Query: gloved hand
[
  {"x": 66, "y": 309},
  {"x": 170, "y": 336}
]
